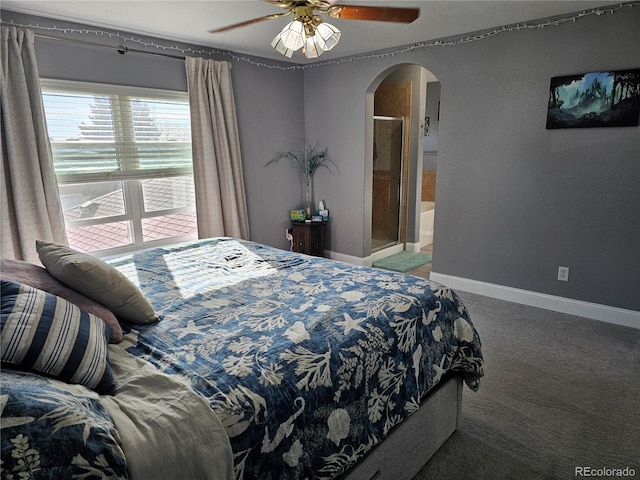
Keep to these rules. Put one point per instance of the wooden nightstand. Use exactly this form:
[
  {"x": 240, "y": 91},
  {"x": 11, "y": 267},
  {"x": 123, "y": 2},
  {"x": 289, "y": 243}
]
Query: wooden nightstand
[{"x": 308, "y": 237}]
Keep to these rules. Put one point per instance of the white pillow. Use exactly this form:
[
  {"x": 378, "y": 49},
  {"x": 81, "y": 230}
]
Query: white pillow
[{"x": 98, "y": 281}]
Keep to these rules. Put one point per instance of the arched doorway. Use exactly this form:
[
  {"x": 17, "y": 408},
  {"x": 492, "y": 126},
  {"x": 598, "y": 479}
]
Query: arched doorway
[{"x": 400, "y": 92}]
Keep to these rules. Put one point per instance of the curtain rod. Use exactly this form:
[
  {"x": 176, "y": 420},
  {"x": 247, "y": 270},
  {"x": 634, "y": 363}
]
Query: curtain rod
[{"x": 120, "y": 48}]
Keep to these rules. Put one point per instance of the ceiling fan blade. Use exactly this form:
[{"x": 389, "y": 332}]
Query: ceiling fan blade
[
  {"x": 249, "y": 22},
  {"x": 380, "y": 14}
]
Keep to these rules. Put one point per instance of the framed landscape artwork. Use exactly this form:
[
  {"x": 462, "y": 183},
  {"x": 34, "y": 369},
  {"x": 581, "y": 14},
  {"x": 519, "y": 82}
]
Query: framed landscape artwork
[{"x": 596, "y": 99}]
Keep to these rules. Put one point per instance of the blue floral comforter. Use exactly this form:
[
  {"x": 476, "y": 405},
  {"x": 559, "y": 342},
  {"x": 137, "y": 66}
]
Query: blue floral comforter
[
  {"x": 54, "y": 430},
  {"x": 307, "y": 362}
]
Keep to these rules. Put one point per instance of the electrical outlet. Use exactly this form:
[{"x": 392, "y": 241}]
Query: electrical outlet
[{"x": 563, "y": 274}]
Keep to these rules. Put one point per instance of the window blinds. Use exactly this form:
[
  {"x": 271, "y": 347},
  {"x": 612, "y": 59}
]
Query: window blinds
[{"x": 106, "y": 135}]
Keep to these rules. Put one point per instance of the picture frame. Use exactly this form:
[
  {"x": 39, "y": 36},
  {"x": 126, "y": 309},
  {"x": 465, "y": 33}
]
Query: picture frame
[{"x": 594, "y": 99}]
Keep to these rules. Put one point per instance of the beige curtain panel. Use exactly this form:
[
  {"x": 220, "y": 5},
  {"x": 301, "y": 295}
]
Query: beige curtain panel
[
  {"x": 217, "y": 164},
  {"x": 31, "y": 208}
]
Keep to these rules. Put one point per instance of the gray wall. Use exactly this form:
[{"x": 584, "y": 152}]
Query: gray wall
[{"x": 515, "y": 200}]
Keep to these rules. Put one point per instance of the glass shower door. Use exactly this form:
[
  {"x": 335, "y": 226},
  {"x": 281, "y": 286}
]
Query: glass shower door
[{"x": 388, "y": 137}]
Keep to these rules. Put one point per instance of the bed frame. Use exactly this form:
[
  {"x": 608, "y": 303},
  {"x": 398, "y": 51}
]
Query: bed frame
[{"x": 408, "y": 448}]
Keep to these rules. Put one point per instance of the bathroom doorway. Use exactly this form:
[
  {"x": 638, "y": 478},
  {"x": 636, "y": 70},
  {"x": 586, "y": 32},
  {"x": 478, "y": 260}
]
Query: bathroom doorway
[
  {"x": 389, "y": 212},
  {"x": 388, "y": 154},
  {"x": 399, "y": 92}
]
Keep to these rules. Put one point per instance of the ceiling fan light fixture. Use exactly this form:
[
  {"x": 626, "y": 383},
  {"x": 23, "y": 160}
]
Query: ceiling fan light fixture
[{"x": 306, "y": 31}]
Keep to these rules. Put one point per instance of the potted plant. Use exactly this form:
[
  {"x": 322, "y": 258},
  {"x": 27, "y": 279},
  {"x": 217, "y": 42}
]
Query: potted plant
[{"x": 307, "y": 159}]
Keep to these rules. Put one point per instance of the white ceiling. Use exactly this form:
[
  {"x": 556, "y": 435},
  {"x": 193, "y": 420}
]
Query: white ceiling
[{"x": 190, "y": 21}]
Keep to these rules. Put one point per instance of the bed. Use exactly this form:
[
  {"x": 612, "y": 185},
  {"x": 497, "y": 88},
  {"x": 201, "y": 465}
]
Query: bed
[{"x": 253, "y": 363}]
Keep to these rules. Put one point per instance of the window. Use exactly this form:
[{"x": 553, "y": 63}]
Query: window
[{"x": 122, "y": 156}]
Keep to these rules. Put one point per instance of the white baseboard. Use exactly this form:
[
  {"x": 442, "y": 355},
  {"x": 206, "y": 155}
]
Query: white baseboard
[
  {"x": 341, "y": 257},
  {"x": 414, "y": 247},
  {"x": 384, "y": 253},
  {"x": 364, "y": 261},
  {"x": 594, "y": 311}
]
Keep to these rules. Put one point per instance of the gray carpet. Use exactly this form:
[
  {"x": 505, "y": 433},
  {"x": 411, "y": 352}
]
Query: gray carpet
[{"x": 559, "y": 392}]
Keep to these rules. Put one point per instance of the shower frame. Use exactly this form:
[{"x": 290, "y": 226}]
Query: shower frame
[{"x": 381, "y": 244}]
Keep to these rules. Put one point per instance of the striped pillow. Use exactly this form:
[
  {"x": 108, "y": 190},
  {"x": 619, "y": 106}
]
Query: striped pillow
[{"x": 49, "y": 335}]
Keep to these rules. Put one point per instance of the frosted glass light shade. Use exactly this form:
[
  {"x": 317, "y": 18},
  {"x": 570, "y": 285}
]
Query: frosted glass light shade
[
  {"x": 329, "y": 34},
  {"x": 278, "y": 45},
  {"x": 326, "y": 37},
  {"x": 292, "y": 35},
  {"x": 313, "y": 46}
]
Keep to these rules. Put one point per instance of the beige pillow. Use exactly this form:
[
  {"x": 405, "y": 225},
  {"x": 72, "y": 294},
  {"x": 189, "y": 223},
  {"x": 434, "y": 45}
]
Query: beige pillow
[{"x": 97, "y": 280}]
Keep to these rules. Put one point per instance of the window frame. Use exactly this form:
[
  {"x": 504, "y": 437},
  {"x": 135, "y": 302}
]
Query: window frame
[{"x": 130, "y": 179}]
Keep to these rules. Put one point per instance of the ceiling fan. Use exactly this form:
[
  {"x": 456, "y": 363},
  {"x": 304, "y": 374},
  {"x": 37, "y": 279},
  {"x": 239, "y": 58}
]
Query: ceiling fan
[{"x": 308, "y": 31}]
